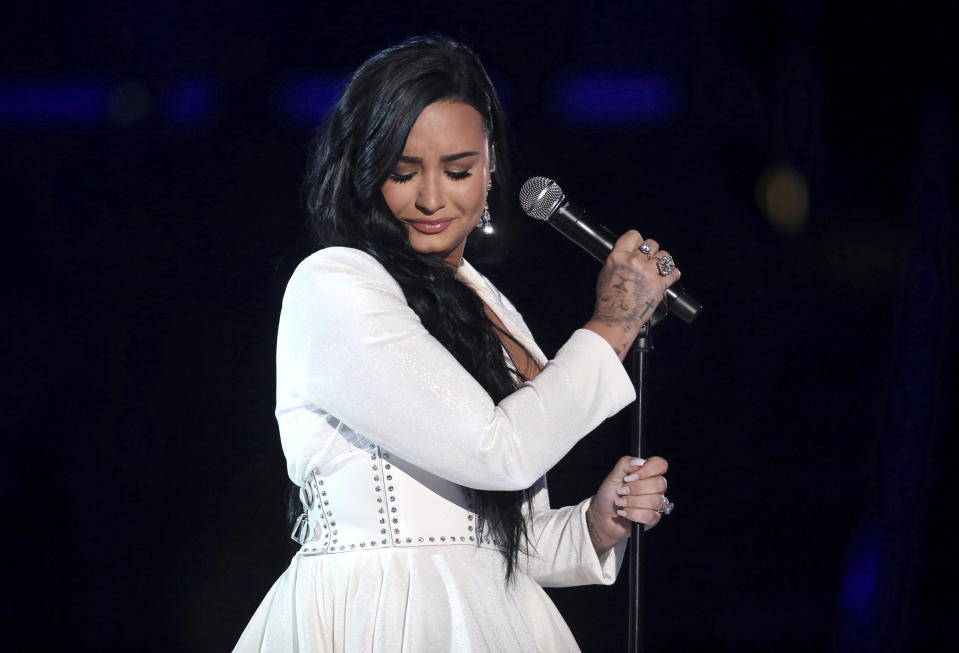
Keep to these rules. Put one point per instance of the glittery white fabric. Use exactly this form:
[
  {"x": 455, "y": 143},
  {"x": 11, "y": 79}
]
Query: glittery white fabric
[{"x": 385, "y": 428}]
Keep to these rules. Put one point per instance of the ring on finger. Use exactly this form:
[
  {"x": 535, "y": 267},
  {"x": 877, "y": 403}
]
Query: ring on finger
[
  {"x": 645, "y": 249},
  {"x": 665, "y": 264},
  {"x": 667, "y": 506}
]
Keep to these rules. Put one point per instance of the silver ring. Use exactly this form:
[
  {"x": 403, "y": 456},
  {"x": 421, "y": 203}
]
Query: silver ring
[
  {"x": 644, "y": 248},
  {"x": 665, "y": 265},
  {"x": 667, "y": 506}
]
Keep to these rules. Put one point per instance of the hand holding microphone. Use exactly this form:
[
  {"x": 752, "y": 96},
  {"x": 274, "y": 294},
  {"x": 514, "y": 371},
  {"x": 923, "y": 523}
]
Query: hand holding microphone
[
  {"x": 630, "y": 287},
  {"x": 543, "y": 199},
  {"x": 635, "y": 283}
]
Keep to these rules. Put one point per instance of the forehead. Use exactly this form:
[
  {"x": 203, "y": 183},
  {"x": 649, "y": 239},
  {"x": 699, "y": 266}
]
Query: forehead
[{"x": 446, "y": 128}]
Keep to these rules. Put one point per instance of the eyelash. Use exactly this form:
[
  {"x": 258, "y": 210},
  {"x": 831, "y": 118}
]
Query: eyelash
[{"x": 456, "y": 176}]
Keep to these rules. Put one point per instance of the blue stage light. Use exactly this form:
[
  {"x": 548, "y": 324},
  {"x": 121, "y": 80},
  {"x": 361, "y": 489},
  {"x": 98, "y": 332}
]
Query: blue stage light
[
  {"x": 191, "y": 101},
  {"x": 45, "y": 103},
  {"x": 305, "y": 101},
  {"x": 862, "y": 571},
  {"x": 610, "y": 98}
]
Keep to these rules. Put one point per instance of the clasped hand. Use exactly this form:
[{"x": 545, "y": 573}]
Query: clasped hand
[{"x": 635, "y": 491}]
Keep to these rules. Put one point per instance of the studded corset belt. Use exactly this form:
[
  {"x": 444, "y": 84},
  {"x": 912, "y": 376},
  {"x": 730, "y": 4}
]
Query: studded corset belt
[{"x": 377, "y": 500}]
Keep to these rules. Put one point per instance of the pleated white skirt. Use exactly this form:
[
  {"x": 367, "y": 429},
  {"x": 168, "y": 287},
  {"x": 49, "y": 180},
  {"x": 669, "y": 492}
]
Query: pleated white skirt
[{"x": 411, "y": 600}]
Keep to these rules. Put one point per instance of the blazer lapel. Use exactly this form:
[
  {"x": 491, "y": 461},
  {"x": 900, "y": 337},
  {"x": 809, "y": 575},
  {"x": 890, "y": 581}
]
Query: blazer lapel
[{"x": 504, "y": 310}]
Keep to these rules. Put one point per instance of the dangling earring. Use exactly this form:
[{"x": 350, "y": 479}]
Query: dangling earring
[{"x": 485, "y": 223}]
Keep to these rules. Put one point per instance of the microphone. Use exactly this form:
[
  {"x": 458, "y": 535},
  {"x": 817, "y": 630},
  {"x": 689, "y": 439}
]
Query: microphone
[{"x": 543, "y": 199}]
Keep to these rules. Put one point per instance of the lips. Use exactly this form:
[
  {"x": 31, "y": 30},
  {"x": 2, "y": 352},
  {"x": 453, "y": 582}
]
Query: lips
[{"x": 430, "y": 226}]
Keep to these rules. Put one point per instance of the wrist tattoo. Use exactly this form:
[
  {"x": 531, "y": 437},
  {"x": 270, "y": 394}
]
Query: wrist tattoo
[
  {"x": 593, "y": 535},
  {"x": 649, "y": 304}
]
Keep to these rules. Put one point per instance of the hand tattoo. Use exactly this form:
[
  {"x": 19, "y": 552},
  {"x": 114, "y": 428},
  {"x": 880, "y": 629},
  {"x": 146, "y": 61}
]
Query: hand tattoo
[{"x": 623, "y": 304}]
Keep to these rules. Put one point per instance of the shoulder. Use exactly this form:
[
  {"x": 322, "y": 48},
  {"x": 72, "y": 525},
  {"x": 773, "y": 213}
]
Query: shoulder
[
  {"x": 333, "y": 268},
  {"x": 482, "y": 285},
  {"x": 339, "y": 260}
]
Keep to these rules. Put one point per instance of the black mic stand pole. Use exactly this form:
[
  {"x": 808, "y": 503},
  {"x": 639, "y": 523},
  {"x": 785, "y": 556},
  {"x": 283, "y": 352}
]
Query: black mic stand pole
[
  {"x": 599, "y": 242},
  {"x": 640, "y": 366}
]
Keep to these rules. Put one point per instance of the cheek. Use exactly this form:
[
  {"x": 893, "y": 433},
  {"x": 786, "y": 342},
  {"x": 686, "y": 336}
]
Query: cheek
[
  {"x": 393, "y": 195},
  {"x": 474, "y": 194}
]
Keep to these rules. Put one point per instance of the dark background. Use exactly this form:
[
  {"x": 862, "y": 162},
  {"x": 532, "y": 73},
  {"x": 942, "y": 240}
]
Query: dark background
[{"x": 151, "y": 160}]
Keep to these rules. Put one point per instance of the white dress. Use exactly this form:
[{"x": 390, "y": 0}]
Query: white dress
[{"x": 383, "y": 429}]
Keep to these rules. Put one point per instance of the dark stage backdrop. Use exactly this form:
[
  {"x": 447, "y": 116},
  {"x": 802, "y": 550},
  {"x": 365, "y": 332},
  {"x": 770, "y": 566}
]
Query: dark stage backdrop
[{"x": 798, "y": 158}]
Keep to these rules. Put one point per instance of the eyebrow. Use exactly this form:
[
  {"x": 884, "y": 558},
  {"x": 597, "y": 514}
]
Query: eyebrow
[{"x": 443, "y": 159}]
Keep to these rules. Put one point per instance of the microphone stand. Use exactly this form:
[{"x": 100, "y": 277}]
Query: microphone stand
[
  {"x": 640, "y": 363},
  {"x": 599, "y": 241}
]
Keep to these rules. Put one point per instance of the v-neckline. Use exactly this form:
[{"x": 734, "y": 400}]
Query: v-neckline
[{"x": 495, "y": 306}]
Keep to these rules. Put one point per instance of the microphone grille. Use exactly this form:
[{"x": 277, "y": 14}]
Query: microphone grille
[{"x": 539, "y": 197}]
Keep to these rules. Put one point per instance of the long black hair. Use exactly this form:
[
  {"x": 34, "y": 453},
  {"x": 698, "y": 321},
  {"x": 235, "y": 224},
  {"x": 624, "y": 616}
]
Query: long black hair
[{"x": 354, "y": 153}]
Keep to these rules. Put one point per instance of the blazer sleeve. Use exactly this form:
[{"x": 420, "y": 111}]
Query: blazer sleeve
[
  {"x": 560, "y": 552},
  {"x": 350, "y": 346}
]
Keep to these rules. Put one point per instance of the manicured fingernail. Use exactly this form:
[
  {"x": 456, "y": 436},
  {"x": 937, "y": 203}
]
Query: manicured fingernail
[
  {"x": 637, "y": 462},
  {"x": 622, "y": 490},
  {"x": 621, "y": 513},
  {"x": 620, "y": 502},
  {"x": 630, "y": 478}
]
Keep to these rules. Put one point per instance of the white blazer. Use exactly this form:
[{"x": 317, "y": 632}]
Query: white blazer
[{"x": 384, "y": 429}]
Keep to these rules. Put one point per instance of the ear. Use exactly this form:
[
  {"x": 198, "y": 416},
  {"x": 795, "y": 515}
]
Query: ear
[{"x": 492, "y": 159}]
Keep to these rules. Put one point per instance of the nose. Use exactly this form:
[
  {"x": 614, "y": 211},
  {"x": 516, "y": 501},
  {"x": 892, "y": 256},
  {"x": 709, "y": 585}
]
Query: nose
[{"x": 430, "y": 198}]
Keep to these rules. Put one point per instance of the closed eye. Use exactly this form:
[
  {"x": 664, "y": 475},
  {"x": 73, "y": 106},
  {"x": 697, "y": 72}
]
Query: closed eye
[{"x": 455, "y": 175}]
